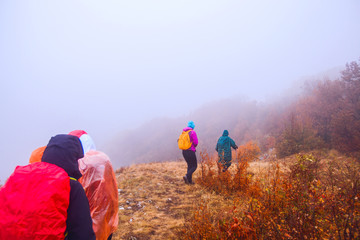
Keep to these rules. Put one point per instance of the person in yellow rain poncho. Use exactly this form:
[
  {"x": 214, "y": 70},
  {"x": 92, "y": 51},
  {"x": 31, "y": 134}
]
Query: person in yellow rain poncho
[{"x": 100, "y": 186}]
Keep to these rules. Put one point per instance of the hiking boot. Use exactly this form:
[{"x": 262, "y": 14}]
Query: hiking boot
[{"x": 186, "y": 180}]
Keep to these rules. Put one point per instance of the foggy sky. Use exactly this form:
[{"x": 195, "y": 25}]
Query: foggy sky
[{"x": 107, "y": 66}]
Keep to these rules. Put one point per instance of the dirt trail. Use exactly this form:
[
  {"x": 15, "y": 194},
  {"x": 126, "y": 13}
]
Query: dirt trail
[{"x": 154, "y": 201}]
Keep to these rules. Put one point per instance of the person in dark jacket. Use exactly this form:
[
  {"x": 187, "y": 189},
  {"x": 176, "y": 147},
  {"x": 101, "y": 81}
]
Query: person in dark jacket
[
  {"x": 223, "y": 147},
  {"x": 189, "y": 154},
  {"x": 64, "y": 151}
]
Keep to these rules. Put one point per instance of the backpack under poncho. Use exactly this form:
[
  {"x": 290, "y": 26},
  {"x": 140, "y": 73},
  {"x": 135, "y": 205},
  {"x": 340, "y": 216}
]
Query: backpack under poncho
[{"x": 34, "y": 203}]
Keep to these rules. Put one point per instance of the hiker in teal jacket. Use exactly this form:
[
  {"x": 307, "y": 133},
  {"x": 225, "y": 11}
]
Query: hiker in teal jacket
[{"x": 223, "y": 147}]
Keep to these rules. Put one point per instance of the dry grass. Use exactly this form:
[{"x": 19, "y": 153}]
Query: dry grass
[{"x": 155, "y": 202}]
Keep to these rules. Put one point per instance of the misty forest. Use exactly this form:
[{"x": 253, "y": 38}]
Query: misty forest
[
  {"x": 325, "y": 114},
  {"x": 295, "y": 174}
]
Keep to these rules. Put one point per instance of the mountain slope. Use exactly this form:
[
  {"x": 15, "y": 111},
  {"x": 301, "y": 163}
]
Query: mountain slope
[{"x": 273, "y": 194}]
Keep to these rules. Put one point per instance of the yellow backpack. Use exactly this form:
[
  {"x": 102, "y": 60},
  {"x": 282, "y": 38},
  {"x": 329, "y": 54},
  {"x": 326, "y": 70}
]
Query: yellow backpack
[{"x": 184, "y": 142}]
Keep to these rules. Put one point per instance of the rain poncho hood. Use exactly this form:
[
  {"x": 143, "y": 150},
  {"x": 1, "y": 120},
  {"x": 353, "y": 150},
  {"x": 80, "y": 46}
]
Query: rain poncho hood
[
  {"x": 223, "y": 147},
  {"x": 85, "y": 139},
  {"x": 64, "y": 151}
]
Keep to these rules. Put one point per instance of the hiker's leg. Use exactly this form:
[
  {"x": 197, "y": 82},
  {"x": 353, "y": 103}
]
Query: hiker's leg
[
  {"x": 219, "y": 166},
  {"x": 186, "y": 156},
  {"x": 222, "y": 162},
  {"x": 228, "y": 164},
  {"x": 222, "y": 166},
  {"x": 192, "y": 165}
]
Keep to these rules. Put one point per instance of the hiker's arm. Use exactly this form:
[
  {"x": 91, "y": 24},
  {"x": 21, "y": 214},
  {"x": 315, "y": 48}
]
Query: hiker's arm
[
  {"x": 79, "y": 222},
  {"x": 194, "y": 138},
  {"x": 233, "y": 145}
]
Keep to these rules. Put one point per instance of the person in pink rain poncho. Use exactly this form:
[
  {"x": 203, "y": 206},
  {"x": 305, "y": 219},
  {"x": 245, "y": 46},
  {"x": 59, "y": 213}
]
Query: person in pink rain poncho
[{"x": 100, "y": 186}]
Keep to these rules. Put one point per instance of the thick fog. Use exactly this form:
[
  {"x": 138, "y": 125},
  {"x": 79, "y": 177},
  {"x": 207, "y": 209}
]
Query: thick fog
[{"x": 109, "y": 66}]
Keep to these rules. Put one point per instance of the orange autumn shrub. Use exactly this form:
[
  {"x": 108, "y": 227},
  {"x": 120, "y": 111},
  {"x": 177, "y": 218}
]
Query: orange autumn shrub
[
  {"x": 303, "y": 204},
  {"x": 228, "y": 182},
  {"x": 207, "y": 223},
  {"x": 312, "y": 199}
]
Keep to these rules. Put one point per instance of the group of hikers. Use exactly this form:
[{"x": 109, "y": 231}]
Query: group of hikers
[
  {"x": 188, "y": 142},
  {"x": 69, "y": 189}
]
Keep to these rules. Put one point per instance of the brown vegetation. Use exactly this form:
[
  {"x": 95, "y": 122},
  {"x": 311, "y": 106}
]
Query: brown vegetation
[
  {"x": 310, "y": 196},
  {"x": 155, "y": 203},
  {"x": 302, "y": 197}
]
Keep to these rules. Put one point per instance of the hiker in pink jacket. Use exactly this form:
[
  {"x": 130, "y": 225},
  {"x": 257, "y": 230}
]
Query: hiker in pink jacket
[{"x": 189, "y": 154}]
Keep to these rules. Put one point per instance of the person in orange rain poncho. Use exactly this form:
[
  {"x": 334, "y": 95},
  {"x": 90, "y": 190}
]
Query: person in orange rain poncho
[
  {"x": 37, "y": 154},
  {"x": 100, "y": 187}
]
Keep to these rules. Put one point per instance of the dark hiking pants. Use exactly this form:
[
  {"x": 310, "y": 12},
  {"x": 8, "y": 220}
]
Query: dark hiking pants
[{"x": 191, "y": 161}]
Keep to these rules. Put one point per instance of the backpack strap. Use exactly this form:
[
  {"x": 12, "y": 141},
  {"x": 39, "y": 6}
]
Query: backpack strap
[{"x": 188, "y": 132}]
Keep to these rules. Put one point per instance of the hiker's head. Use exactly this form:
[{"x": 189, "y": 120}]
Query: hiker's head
[
  {"x": 64, "y": 151},
  {"x": 85, "y": 139},
  {"x": 191, "y": 124},
  {"x": 226, "y": 133}
]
